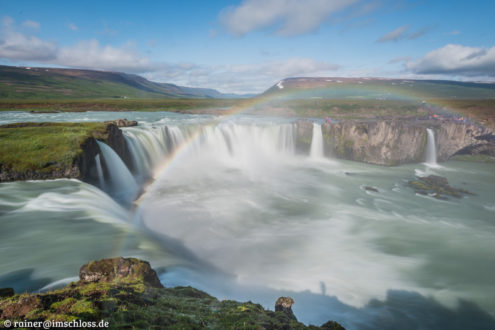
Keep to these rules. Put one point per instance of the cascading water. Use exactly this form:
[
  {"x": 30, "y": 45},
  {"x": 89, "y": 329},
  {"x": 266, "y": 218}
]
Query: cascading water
[
  {"x": 149, "y": 145},
  {"x": 316, "y": 151},
  {"x": 431, "y": 150},
  {"x": 233, "y": 207},
  {"x": 99, "y": 170},
  {"x": 232, "y": 143},
  {"x": 123, "y": 186}
]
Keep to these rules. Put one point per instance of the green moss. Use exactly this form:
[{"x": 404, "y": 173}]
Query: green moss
[
  {"x": 83, "y": 308},
  {"x": 44, "y": 147},
  {"x": 475, "y": 158},
  {"x": 137, "y": 305},
  {"x": 65, "y": 304}
]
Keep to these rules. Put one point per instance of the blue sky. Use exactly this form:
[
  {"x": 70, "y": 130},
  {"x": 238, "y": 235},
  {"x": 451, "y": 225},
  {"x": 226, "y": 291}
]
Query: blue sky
[{"x": 247, "y": 46}]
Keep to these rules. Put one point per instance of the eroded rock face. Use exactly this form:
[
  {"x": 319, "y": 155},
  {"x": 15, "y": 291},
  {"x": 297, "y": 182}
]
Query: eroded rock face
[
  {"x": 376, "y": 142},
  {"x": 119, "y": 270},
  {"x": 85, "y": 162},
  {"x": 396, "y": 142},
  {"x": 452, "y": 137}
]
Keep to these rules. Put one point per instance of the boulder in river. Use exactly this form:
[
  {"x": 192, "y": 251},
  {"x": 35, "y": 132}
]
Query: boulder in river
[{"x": 436, "y": 186}]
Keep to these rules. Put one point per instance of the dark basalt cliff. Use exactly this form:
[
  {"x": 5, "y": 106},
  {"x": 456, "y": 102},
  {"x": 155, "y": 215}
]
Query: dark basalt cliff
[
  {"x": 115, "y": 139},
  {"x": 396, "y": 142}
]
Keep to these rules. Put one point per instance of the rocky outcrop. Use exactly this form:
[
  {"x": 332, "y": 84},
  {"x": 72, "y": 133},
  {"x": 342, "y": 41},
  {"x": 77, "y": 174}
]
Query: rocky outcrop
[
  {"x": 284, "y": 305},
  {"x": 126, "y": 293},
  {"x": 86, "y": 160},
  {"x": 118, "y": 270},
  {"x": 122, "y": 122},
  {"x": 395, "y": 142}
]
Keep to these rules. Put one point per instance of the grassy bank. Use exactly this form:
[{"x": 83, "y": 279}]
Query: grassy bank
[
  {"x": 114, "y": 104},
  {"x": 43, "y": 147}
]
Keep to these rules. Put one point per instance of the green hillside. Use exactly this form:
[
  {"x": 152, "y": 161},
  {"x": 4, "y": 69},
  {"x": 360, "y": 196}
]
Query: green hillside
[
  {"x": 380, "y": 89},
  {"x": 51, "y": 83}
]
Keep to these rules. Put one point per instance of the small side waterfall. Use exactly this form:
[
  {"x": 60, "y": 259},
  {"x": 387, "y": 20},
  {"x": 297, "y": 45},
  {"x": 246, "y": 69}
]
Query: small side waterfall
[
  {"x": 123, "y": 185},
  {"x": 101, "y": 179},
  {"x": 316, "y": 151},
  {"x": 431, "y": 150}
]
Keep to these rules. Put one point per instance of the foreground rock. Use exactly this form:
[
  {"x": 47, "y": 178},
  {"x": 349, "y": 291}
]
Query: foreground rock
[
  {"x": 436, "y": 186},
  {"x": 119, "y": 270},
  {"x": 127, "y": 293}
]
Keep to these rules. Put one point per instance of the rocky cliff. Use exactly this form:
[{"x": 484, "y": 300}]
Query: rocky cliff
[
  {"x": 115, "y": 139},
  {"x": 395, "y": 142}
]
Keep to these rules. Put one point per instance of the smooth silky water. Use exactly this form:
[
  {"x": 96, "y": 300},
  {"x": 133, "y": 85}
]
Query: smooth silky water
[{"x": 233, "y": 210}]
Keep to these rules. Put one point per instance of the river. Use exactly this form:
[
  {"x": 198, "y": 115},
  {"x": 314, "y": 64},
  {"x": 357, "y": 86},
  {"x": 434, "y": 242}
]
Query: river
[{"x": 233, "y": 210}]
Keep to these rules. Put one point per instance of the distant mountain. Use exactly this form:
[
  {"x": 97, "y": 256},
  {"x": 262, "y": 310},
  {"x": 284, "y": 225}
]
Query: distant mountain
[
  {"x": 55, "y": 83},
  {"x": 379, "y": 88}
]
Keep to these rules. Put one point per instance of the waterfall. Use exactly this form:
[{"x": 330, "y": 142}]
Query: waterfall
[
  {"x": 316, "y": 151},
  {"x": 176, "y": 136},
  {"x": 101, "y": 179},
  {"x": 123, "y": 185},
  {"x": 237, "y": 145},
  {"x": 431, "y": 151},
  {"x": 147, "y": 147}
]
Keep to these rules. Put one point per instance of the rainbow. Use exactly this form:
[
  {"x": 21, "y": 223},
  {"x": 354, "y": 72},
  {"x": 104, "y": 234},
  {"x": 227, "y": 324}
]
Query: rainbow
[{"x": 248, "y": 104}]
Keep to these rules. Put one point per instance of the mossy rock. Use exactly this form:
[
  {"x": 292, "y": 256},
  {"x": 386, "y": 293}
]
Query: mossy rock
[
  {"x": 133, "y": 302},
  {"x": 120, "y": 270},
  {"x": 436, "y": 186}
]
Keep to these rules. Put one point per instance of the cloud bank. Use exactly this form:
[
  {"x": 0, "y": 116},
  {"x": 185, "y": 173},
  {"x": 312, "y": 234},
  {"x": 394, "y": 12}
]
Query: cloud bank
[
  {"x": 289, "y": 17},
  {"x": 242, "y": 78},
  {"x": 17, "y": 46},
  {"x": 456, "y": 59},
  {"x": 88, "y": 54}
]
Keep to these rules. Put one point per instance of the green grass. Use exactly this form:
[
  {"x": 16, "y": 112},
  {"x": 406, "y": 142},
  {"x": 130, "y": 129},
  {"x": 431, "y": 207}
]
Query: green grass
[
  {"x": 44, "y": 146},
  {"x": 164, "y": 104}
]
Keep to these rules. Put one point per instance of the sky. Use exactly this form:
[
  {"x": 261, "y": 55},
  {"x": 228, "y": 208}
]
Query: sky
[{"x": 247, "y": 46}]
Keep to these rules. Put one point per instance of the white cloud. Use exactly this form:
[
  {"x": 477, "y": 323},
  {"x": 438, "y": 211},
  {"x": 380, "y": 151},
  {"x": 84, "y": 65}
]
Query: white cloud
[
  {"x": 242, "y": 78},
  {"x": 90, "y": 54},
  {"x": 17, "y": 46},
  {"x": 395, "y": 35},
  {"x": 290, "y": 17},
  {"x": 7, "y": 22},
  {"x": 400, "y": 59},
  {"x": 31, "y": 24},
  {"x": 456, "y": 59},
  {"x": 419, "y": 33},
  {"x": 402, "y": 32},
  {"x": 73, "y": 26}
]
